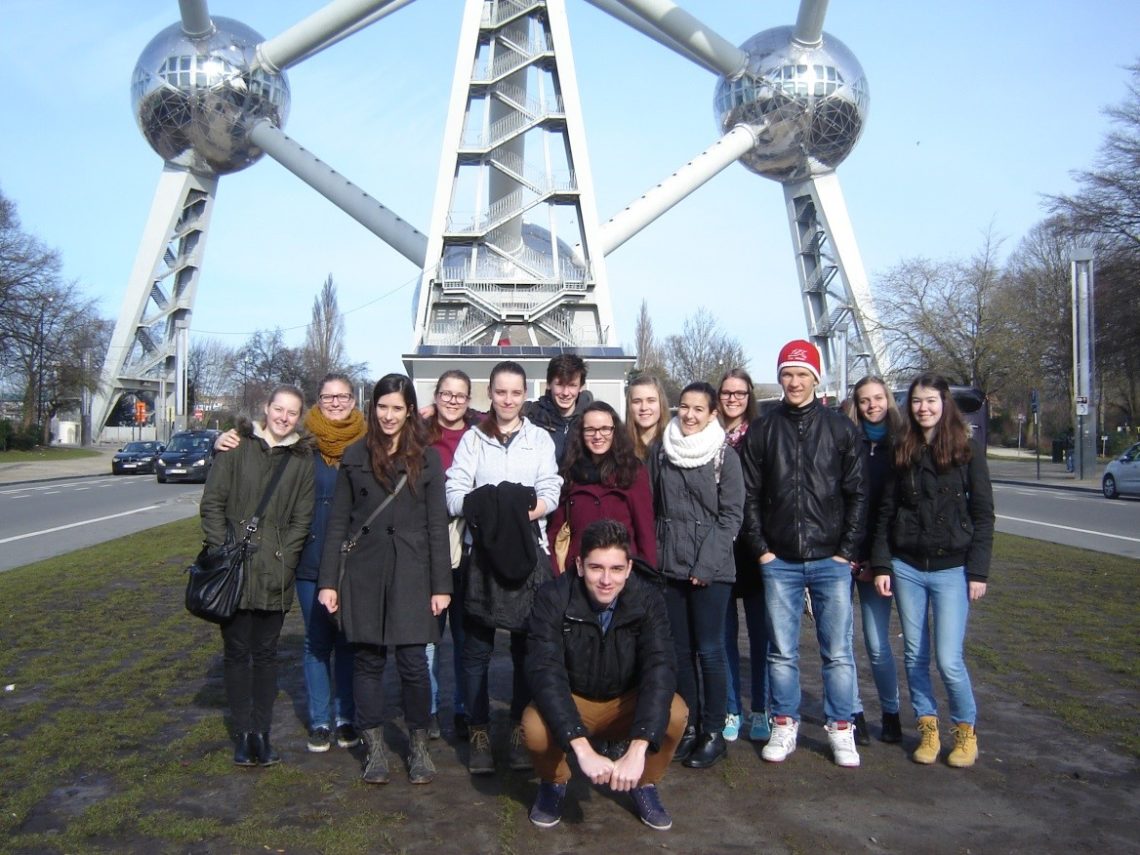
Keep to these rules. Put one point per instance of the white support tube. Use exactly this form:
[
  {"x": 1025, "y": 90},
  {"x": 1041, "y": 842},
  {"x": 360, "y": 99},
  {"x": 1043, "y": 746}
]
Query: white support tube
[
  {"x": 393, "y": 6},
  {"x": 809, "y": 22},
  {"x": 655, "y": 202},
  {"x": 616, "y": 10},
  {"x": 679, "y": 25},
  {"x": 402, "y": 237},
  {"x": 299, "y": 40},
  {"x": 195, "y": 18}
]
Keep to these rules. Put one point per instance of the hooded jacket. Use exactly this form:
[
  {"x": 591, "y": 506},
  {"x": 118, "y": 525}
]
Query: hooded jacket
[
  {"x": 543, "y": 413},
  {"x": 233, "y": 490}
]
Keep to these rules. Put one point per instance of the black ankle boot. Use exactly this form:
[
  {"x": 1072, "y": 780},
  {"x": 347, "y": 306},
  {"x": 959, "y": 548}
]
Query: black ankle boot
[
  {"x": 244, "y": 750},
  {"x": 709, "y": 748},
  {"x": 263, "y": 751},
  {"x": 862, "y": 732},
  {"x": 892, "y": 727},
  {"x": 687, "y": 744}
]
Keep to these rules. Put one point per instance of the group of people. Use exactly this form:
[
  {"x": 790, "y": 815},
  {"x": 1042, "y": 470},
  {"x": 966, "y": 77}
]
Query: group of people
[{"x": 613, "y": 555}]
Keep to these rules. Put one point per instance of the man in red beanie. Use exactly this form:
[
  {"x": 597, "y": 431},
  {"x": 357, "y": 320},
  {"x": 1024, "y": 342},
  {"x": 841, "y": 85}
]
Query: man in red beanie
[{"x": 804, "y": 514}]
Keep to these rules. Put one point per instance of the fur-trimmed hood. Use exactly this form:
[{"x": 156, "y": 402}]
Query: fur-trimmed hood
[{"x": 300, "y": 442}]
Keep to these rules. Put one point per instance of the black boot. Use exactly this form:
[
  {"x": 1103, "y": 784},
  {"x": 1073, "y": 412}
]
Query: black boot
[
  {"x": 709, "y": 748},
  {"x": 420, "y": 768},
  {"x": 687, "y": 744},
  {"x": 892, "y": 727},
  {"x": 244, "y": 754},
  {"x": 376, "y": 763},
  {"x": 263, "y": 751},
  {"x": 862, "y": 732}
]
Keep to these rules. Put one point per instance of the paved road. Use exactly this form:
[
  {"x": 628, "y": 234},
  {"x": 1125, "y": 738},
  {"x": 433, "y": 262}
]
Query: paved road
[
  {"x": 1072, "y": 517},
  {"x": 47, "y": 518}
]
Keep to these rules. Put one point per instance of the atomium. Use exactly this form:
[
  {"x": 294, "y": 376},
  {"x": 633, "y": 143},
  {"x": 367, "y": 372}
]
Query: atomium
[
  {"x": 195, "y": 99},
  {"x": 807, "y": 104}
]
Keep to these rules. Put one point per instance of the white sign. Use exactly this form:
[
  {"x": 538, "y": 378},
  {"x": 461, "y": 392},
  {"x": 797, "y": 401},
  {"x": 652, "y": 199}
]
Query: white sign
[{"x": 1082, "y": 408}]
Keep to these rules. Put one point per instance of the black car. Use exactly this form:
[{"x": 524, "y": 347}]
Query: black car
[
  {"x": 136, "y": 457},
  {"x": 188, "y": 457}
]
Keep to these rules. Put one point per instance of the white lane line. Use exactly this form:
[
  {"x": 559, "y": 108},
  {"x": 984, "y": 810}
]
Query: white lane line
[
  {"x": 1055, "y": 525},
  {"x": 52, "y": 493},
  {"x": 77, "y": 524}
]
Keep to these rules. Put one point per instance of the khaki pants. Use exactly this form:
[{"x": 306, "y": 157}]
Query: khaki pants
[{"x": 608, "y": 720}]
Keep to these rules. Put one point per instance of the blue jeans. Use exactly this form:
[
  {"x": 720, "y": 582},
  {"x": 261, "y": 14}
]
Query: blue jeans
[
  {"x": 453, "y": 617},
  {"x": 757, "y": 651},
  {"x": 321, "y": 641},
  {"x": 944, "y": 595},
  {"x": 876, "y": 613},
  {"x": 696, "y": 616},
  {"x": 829, "y": 584}
]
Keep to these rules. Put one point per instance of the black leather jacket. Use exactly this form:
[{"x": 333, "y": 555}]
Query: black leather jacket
[
  {"x": 566, "y": 653},
  {"x": 805, "y": 484}
]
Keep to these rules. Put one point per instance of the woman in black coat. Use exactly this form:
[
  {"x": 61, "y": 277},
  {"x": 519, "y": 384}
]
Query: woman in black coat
[{"x": 397, "y": 578}]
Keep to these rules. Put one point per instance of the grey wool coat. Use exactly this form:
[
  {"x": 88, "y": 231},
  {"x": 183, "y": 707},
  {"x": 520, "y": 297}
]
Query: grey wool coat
[{"x": 399, "y": 564}]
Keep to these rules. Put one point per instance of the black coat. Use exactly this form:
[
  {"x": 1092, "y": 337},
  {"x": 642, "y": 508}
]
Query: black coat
[
  {"x": 805, "y": 495},
  {"x": 567, "y": 654},
  {"x": 937, "y": 520},
  {"x": 402, "y": 561}
]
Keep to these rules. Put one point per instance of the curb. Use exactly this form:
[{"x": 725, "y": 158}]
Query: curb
[
  {"x": 1076, "y": 488},
  {"x": 4, "y": 484}
]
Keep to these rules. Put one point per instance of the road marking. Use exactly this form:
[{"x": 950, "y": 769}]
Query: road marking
[
  {"x": 1055, "y": 525},
  {"x": 77, "y": 524}
]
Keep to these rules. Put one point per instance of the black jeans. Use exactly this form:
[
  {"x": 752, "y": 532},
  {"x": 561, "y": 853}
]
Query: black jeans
[
  {"x": 368, "y": 688},
  {"x": 249, "y": 640},
  {"x": 478, "y": 645},
  {"x": 696, "y": 616}
]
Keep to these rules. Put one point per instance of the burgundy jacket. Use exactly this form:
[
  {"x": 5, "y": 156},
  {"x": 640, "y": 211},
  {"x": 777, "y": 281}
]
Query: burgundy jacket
[{"x": 584, "y": 503}]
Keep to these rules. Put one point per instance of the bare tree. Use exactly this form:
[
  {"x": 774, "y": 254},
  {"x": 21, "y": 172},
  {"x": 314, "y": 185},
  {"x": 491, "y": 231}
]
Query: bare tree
[
  {"x": 702, "y": 351},
  {"x": 644, "y": 340},
  {"x": 263, "y": 362},
  {"x": 210, "y": 372}
]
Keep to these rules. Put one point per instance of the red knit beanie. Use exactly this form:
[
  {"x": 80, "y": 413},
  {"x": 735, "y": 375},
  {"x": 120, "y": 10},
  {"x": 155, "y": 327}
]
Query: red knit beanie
[{"x": 799, "y": 354}]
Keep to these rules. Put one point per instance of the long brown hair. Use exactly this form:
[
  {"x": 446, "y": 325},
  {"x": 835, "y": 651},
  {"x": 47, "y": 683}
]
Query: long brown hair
[
  {"x": 434, "y": 428},
  {"x": 749, "y": 414},
  {"x": 410, "y": 443},
  {"x": 619, "y": 465},
  {"x": 490, "y": 425},
  {"x": 950, "y": 442},
  {"x": 641, "y": 449},
  {"x": 895, "y": 423}
]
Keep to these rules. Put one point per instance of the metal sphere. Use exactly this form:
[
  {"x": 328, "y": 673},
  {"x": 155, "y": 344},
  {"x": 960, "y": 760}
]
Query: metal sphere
[
  {"x": 808, "y": 105},
  {"x": 195, "y": 99}
]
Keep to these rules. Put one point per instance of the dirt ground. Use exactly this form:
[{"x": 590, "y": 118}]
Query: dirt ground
[{"x": 1038, "y": 787}]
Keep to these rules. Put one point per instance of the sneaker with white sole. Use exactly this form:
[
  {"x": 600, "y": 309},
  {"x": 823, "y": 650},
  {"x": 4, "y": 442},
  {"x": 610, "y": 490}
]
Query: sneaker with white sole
[
  {"x": 782, "y": 742},
  {"x": 841, "y": 738},
  {"x": 731, "y": 730}
]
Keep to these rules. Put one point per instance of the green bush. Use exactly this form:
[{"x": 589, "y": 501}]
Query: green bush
[
  {"x": 25, "y": 440},
  {"x": 5, "y": 433}
]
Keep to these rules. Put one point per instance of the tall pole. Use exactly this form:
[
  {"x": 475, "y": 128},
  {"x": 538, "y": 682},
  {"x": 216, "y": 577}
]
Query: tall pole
[{"x": 1084, "y": 440}]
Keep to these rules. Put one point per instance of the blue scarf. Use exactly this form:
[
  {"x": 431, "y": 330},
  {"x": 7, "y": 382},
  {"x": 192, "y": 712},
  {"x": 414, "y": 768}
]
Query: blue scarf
[{"x": 875, "y": 433}]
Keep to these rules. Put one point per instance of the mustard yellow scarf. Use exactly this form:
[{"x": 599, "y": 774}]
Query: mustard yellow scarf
[{"x": 334, "y": 437}]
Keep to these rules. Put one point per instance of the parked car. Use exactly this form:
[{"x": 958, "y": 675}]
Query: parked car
[
  {"x": 188, "y": 457},
  {"x": 1122, "y": 475},
  {"x": 136, "y": 457}
]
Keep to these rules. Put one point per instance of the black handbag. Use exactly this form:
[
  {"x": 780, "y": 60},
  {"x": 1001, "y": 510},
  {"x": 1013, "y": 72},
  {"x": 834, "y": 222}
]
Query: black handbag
[{"x": 217, "y": 575}]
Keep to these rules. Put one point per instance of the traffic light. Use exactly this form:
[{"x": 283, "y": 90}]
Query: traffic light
[
  {"x": 140, "y": 412},
  {"x": 1034, "y": 401}
]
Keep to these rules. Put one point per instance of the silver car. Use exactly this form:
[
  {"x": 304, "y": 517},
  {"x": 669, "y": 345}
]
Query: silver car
[{"x": 1122, "y": 475}]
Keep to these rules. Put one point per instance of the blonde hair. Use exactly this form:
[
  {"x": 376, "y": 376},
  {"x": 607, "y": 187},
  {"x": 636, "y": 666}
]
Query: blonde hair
[{"x": 640, "y": 447}]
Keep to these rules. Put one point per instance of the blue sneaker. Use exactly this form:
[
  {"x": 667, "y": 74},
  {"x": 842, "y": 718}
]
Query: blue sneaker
[
  {"x": 649, "y": 808},
  {"x": 731, "y": 727},
  {"x": 546, "y": 812},
  {"x": 759, "y": 728}
]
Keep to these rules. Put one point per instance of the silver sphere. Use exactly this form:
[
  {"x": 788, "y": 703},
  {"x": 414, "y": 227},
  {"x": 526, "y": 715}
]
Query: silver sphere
[
  {"x": 808, "y": 105},
  {"x": 195, "y": 99}
]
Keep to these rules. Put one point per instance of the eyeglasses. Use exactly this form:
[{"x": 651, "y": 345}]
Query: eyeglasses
[
  {"x": 343, "y": 398},
  {"x": 456, "y": 397},
  {"x": 740, "y": 396},
  {"x": 608, "y": 430}
]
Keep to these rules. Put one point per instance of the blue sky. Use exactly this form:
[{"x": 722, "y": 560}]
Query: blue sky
[{"x": 977, "y": 108}]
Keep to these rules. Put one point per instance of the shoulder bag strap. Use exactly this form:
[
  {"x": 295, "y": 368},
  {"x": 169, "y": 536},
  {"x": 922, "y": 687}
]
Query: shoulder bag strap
[
  {"x": 349, "y": 544},
  {"x": 273, "y": 482}
]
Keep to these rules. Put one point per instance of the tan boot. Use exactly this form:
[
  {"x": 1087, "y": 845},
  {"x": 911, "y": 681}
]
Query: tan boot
[
  {"x": 929, "y": 745},
  {"x": 965, "y": 751}
]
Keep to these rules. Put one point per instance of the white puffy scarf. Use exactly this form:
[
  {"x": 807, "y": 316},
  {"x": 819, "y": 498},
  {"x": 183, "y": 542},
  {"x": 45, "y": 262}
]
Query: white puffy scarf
[{"x": 689, "y": 452}]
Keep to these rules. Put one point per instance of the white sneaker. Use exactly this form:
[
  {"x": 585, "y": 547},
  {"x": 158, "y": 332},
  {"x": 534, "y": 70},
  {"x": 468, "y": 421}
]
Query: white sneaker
[
  {"x": 783, "y": 739},
  {"x": 841, "y": 737},
  {"x": 731, "y": 730}
]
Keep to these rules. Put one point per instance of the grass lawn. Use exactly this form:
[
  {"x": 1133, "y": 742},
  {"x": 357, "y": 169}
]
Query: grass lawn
[
  {"x": 111, "y": 703},
  {"x": 50, "y": 453}
]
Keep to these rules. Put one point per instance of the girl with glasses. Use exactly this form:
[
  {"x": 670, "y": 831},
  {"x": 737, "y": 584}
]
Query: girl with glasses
[{"x": 603, "y": 479}]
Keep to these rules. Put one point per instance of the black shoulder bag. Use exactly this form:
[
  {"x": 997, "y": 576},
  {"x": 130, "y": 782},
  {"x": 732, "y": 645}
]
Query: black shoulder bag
[
  {"x": 217, "y": 576},
  {"x": 346, "y": 546}
]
